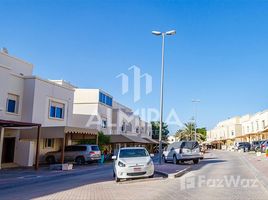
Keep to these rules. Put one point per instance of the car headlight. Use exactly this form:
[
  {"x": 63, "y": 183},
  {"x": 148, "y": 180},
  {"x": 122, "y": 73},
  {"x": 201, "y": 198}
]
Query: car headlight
[
  {"x": 120, "y": 164},
  {"x": 150, "y": 162}
]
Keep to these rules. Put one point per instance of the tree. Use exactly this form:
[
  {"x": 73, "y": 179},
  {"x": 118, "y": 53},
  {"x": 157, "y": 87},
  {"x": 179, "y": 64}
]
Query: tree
[
  {"x": 156, "y": 128},
  {"x": 103, "y": 140},
  {"x": 188, "y": 132},
  {"x": 202, "y": 132}
]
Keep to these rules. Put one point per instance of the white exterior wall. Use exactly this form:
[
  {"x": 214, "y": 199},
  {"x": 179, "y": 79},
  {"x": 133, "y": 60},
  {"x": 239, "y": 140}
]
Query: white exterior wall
[
  {"x": 13, "y": 85},
  {"x": 34, "y": 96},
  {"x": 15, "y": 65},
  {"x": 89, "y": 112},
  {"x": 254, "y": 123},
  {"x": 38, "y": 94},
  {"x": 228, "y": 129},
  {"x": 240, "y": 126}
]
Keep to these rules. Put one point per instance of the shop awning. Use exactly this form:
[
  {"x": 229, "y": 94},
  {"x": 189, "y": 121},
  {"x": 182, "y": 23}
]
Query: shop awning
[
  {"x": 57, "y": 132},
  {"x": 150, "y": 140},
  {"x": 217, "y": 142},
  {"x": 127, "y": 139},
  {"x": 14, "y": 124}
]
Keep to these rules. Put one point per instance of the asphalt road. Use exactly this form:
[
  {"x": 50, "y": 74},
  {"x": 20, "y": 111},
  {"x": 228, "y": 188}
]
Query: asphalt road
[
  {"x": 223, "y": 175},
  {"x": 62, "y": 183}
]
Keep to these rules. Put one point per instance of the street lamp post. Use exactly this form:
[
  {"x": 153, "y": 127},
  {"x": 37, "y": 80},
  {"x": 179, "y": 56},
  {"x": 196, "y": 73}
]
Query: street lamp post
[
  {"x": 163, "y": 34},
  {"x": 195, "y": 116}
]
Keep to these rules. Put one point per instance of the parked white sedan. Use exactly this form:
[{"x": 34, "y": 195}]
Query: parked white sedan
[{"x": 133, "y": 162}]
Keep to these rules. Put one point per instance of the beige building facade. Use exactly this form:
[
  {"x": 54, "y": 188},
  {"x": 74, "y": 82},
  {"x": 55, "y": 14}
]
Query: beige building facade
[{"x": 247, "y": 128}]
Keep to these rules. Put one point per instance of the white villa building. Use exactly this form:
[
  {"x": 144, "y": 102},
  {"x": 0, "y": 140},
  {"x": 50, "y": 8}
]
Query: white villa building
[
  {"x": 93, "y": 109},
  {"x": 246, "y": 128},
  {"x": 62, "y": 112}
]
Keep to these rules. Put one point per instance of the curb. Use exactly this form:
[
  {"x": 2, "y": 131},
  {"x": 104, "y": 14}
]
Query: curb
[
  {"x": 141, "y": 180},
  {"x": 173, "y": 175}
]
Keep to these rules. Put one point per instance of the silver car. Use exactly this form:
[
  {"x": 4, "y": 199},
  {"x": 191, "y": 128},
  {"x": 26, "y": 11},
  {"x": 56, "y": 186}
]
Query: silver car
[
  {"x": 76, "y": 153},
  {"x": 183, "y": 151}
]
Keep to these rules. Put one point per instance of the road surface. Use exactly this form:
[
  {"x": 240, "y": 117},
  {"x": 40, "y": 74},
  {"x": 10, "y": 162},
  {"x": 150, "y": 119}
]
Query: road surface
[{"x": 222, "y": 175}]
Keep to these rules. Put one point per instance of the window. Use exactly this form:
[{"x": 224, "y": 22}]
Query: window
[
  {"x": 56, "y": 110},
  {"x": 104, "y": 124},
  {"x": 123, "y": 127},
  {"x": 132, "y": 153},
  {"x": 12, "y": 103},
  {"x": 263, "y": 124},
  {"x": 79, "y": 148},
  {"x": 95, "y": 148},
  {"x": 49, "y": 143},
  {"x": 105, "y": 99},
  {"x": 68, "y": 148}
]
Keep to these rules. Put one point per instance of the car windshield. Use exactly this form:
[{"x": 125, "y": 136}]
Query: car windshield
[
  {"x": 95, "y": 148},
  {"x": 132, "y": 153},
  {"x": 189, "y": 145}
]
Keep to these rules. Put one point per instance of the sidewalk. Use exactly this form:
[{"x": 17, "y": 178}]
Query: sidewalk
[
  {"x": 170, "y": 170},
  {"x": 260, "y": 163}
]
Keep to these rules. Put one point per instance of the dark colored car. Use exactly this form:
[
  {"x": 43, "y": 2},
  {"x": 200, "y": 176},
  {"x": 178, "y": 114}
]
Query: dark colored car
[
  {"x": 245, "y": 146},
  {"x": 255, "y": 145},
  {"x": 258, "y": 147}
]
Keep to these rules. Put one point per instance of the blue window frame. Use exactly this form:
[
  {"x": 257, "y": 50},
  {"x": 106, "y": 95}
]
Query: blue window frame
[
  {"x": 12, "y": 103},
  {"x": 56, "y": 110},
  {"x": 11, "y": 106},
  {"x": 105, "y": 99},
  {"x": 52, "y": 111},
  {"x": 59, "y": 113}
]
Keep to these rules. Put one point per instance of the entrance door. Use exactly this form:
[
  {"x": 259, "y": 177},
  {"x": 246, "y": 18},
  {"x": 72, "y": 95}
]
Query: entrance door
[{"x": 8, "y": 150}]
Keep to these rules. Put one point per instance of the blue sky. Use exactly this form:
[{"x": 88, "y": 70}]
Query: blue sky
[{"x": 219, "y": 54}]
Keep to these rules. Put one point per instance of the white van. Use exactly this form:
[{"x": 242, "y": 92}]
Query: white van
[{"x": 183, "y": 151}]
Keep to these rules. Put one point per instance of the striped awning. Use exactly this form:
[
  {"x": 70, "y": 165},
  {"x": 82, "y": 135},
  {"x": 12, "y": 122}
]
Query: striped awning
[
  {"x": 120, "y": 138},
  {"x": 56, "y": 132}
]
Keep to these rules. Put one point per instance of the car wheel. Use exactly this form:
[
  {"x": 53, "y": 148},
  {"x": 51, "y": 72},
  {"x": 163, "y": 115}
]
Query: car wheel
[
  {"x": 182, "y": 161},
  {"x": 117, "y": 179},
  {"x": 151, "y": 176},
  {"x": 175, "y": 161},
  {"x": 50, "y": 160},
  {"x": 80, "y": 160},
  {"x": 196, "y": 161}
]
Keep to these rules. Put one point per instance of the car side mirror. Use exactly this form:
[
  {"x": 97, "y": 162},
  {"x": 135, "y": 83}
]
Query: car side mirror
[
  {"x": 113, "y": 157},
  {"x": 152, "y": 155}
]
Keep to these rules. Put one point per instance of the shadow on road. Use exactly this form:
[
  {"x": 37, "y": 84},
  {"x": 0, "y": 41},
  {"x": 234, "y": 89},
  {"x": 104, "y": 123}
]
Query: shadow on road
[{"x": 36, "y": 186}]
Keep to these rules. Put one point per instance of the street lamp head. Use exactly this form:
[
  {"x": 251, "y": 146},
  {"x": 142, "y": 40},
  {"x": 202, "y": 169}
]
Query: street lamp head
[
  {"x": 196, "y": 101},
  {"x": 172, "y": 32},
  {"x": 156, "y": 33}
]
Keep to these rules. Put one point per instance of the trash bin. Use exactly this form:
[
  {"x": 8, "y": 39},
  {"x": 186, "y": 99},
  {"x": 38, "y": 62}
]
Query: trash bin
[{"x": 101, "y": 161}]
